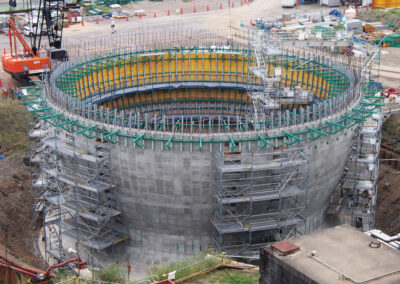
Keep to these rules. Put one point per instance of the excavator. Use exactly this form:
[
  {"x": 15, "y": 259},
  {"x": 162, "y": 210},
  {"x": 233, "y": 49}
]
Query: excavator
[{"x": 36, "y": 59}]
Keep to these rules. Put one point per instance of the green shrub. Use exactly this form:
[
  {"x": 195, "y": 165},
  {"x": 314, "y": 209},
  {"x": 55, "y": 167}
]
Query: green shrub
[
  {"x": 63, "y": 274},
  {"x": 113, "y": 273},
  {"x": 238, "y": 277},
  {"x": 13, "y": 122},
  {"x": 197, "y": 263}
]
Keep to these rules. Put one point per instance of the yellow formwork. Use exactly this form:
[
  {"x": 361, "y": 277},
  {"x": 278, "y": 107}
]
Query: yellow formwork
[
  {"x": 177, "y": 95},
  {"x": 193, "y": 67},
  {"x": 386, "y": 3}
]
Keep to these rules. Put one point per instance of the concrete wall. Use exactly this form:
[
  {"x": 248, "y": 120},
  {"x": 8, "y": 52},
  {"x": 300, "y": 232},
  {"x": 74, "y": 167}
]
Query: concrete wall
[
  {"x": 166, "y": 196},
  {"x": 327, "y": 161},
  {"x": 275, "y": 271}
]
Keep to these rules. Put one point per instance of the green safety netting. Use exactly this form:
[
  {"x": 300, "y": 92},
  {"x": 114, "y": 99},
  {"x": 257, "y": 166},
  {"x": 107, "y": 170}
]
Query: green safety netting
[{"x": 390, "y": 40}]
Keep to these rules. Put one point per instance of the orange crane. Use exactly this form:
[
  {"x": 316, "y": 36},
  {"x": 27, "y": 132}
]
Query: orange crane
[
  {"x": 36, "y": 60},
  {"x": 27, "y": 63}
]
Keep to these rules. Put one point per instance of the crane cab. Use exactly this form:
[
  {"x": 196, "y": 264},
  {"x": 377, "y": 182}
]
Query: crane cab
[{"x": 23, "y": 65}]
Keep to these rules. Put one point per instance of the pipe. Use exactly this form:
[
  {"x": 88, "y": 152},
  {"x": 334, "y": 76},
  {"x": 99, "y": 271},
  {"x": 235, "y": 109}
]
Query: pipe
[
  {"x": 382, "y": 236},
  {"x": 387, "y": 147},
  {"x": 32, "y": 270},
  {"x": 25, "y": 272}
]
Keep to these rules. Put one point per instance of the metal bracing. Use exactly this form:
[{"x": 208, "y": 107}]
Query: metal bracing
[
  {"x": 36, "y": 131},
  {"x": 259, "y": 198},
  {"x": 86, "y": 196},
  {"x": 356, "y": 195},
  {"x": 53, "y": 213},
  {"x": 40, "y": 157},
  {"x": 260, "y": 75},
  {"x": 74, "y": 190}
]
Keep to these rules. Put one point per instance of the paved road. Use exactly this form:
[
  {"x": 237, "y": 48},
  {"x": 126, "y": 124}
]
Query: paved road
[
  {"x": 270, "y": 9},
  {"x": 213, "y": 19}
]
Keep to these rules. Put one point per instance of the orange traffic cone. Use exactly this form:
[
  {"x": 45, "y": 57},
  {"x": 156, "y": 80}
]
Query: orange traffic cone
[
  {"x": 251, "y": 23},
  {"x": 233, "y": 4},
  {"x": 127, "y": 18},
  {"x": 169, "y": 13},
  {"x": 140, "y": 16},
  {"x": 97, "y": 20},
  {"x": 220, "y": 5},
  {"x": 181, "y": 11},
  {"x": 83, "y": 23},
  {"x": 155, "y": 15},
  {"x": 208, "y": 8},
  {"x": 194, "y": 10}
]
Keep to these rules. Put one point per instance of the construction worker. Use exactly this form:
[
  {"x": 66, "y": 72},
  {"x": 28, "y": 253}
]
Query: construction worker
[{"x": 113, "y": 27}]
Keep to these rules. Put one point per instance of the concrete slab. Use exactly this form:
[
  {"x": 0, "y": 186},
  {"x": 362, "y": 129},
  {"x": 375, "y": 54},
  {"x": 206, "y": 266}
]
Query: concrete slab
[{"x": 347, "y": 251}]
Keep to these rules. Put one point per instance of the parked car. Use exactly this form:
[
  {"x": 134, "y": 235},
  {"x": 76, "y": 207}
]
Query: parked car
[{"x": 30, "y": 29}]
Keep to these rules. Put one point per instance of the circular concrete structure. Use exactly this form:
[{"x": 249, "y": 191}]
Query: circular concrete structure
[{"x": 174, "y": 117}]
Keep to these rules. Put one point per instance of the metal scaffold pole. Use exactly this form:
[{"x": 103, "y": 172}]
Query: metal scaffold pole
[{"x": 258, "y": 198}]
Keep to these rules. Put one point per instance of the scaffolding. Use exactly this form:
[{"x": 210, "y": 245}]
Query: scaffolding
[
  {"x": 74, "y": 190},
  {"x": 356, "y": 194},
  {"x": 36, "y": 131},
  {"x": 271, "y": 82},
  {"x": 259, "y": 199},
  {"x": 261, "y": 75}
]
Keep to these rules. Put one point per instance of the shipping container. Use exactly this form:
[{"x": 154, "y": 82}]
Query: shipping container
[{"x": 386, "y": 3}]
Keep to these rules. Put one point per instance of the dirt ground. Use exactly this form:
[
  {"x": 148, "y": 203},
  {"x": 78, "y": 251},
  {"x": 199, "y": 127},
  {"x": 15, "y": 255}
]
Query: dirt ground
[
  {"x": 388, "y": 203},
  {"x": 18, "y": 230},
  {"x": 18, "y": 227}
]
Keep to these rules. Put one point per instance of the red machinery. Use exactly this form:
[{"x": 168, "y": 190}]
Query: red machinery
[
  {"x": 34, "y": 59},
  {"x": 37, "y": 276},
  {"x": 28, "y": 62},
  {"x": 391, "y": 91}
]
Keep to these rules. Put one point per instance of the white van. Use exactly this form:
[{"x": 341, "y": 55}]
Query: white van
[
  {"x": 30, "y": 28},
  {"x": 289, "y": 3}
]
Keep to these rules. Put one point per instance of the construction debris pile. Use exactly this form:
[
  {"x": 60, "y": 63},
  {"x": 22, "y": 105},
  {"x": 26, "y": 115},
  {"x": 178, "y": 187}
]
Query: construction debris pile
[{"x": 378, "y": 28}]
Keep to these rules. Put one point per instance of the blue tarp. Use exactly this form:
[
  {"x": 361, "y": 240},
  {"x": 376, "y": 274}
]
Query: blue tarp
[{"x": 335, "y": 12}]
